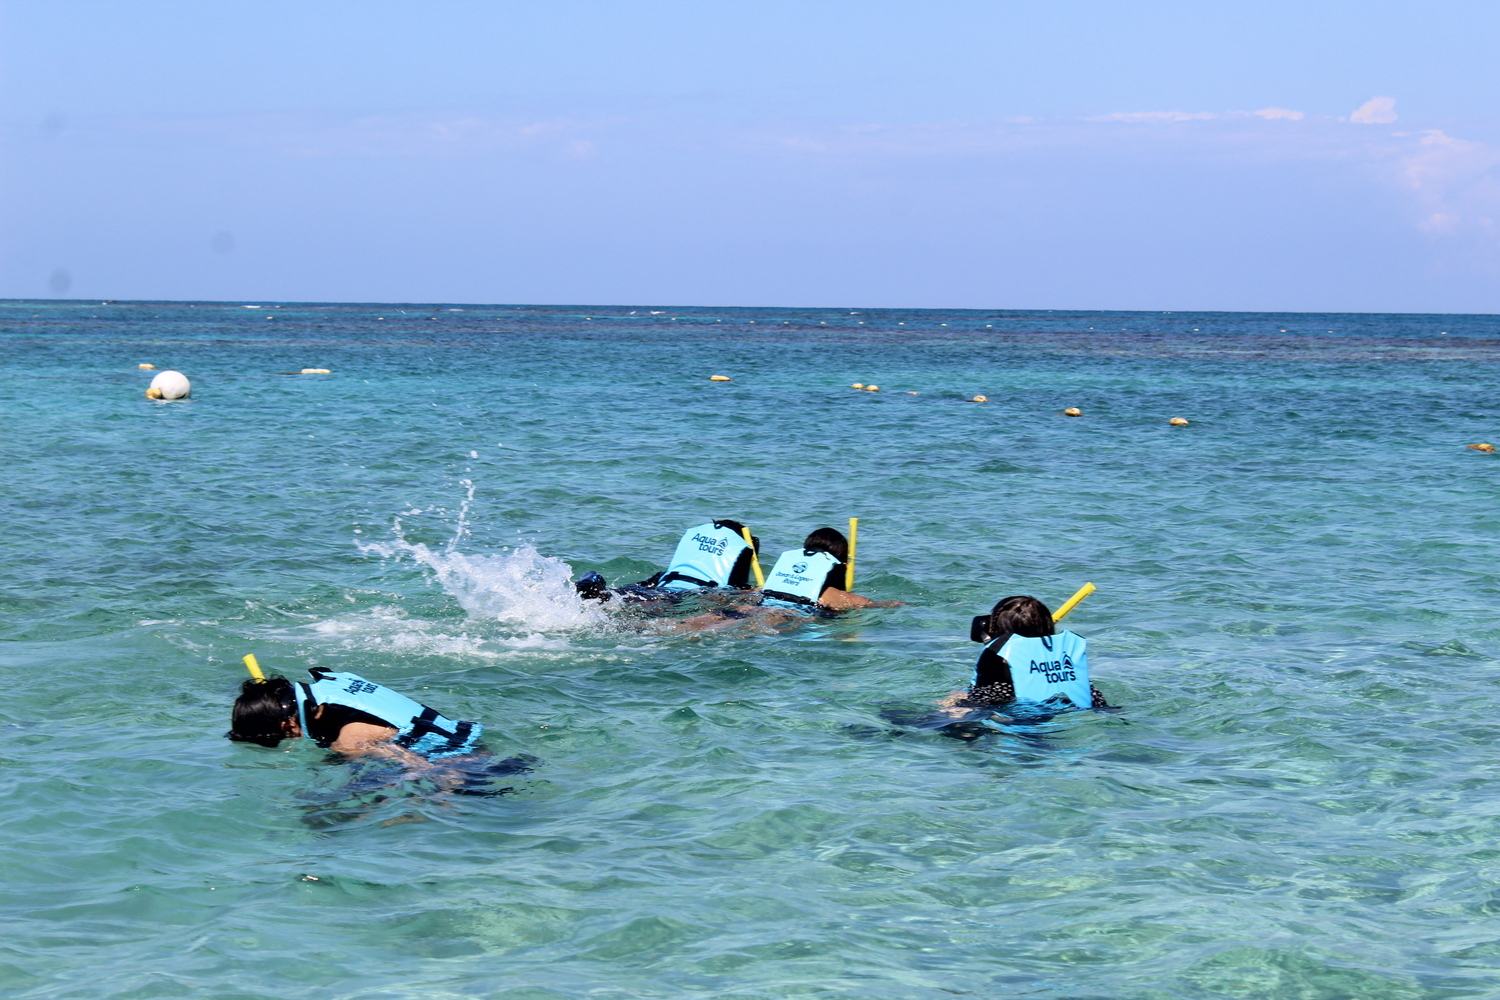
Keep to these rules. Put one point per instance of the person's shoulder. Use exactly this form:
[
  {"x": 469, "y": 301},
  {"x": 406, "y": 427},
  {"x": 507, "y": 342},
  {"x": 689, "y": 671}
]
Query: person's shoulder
[{"x": 357, "y": 734}]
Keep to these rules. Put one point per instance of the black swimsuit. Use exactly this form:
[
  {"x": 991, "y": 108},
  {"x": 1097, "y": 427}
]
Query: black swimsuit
[{"x": 325, "y": 730}]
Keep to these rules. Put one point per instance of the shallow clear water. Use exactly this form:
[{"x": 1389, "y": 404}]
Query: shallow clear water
[{"x": 1296, "y": 610}]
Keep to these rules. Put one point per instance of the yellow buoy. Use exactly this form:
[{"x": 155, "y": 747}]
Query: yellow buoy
[
  {"x": 146, "y": 366},
  {"x": 1483, "y": 446},
  {"x": 153, "y": 393},
  {"x": 315, "y": 371},
  {"x": 856, "y": 385},
  {"x": 720, "y": 378},
  {"x": 979, "y": 399},
  {"x": 1178, "y": 421},
  {"x": 1072, "y": 411},
  {"x": 872, "y": 388}
]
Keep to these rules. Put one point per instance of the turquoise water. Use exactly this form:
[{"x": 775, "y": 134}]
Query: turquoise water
[{"x": 1296, "y": 610}]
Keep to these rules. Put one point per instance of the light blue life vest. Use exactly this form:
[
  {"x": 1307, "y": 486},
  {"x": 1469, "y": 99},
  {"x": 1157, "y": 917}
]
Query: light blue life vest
[
  {"x": 704, "y": 558},
  {"x": 797, "y": 579},
  {"x": 418, "y": 728},
  {"x": 1043, "y": 667}
]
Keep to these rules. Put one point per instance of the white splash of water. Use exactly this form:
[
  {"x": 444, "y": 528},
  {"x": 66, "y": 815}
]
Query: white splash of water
[
  {"x": 516, "y": 585},
  {"x": 391, "y": 630}
]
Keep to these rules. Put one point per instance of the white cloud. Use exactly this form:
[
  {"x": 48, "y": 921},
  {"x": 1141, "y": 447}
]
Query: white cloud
[
  {"x": 1375, "y": 111},
  {"x": 1456, "y": 182},
  {"x": 1272, "y": 114},
  {"x": 1155, "y": 117},
  {"x": 1439, "y": 222}
]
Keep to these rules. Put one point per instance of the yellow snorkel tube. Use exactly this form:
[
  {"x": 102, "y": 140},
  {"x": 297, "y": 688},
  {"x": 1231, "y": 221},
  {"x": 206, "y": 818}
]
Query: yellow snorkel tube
[
  {"x": 849, "y": 566},
  {"x": 1072, "y": 602},
  {"x": 760, "y": 578},
  {"x": 253, "y": 665}
]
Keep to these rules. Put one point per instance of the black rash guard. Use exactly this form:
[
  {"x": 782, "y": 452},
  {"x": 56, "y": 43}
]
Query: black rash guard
[{"x": 325, "y": 730}]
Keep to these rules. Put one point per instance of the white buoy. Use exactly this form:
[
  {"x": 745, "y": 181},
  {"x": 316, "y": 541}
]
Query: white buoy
[{"x": 169, "y": 385}]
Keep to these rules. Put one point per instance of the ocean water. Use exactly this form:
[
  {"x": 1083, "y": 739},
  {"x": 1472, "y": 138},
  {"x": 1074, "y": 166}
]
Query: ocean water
[{"x": 1296, "y": 613}]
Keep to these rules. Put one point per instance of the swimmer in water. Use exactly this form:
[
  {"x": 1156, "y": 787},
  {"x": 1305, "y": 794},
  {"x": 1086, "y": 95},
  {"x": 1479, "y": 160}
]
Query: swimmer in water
[
  {"x": 1026, "y": 661},
  {"x": 813, "y": 577},
  {"x": 805, "y": 582},
  {"x": 345, "y": 713},
  {"x": 710, "y": 556}
]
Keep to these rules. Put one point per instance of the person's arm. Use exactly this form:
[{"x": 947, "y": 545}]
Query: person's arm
[
  {"x": 843, "y": 600},
  {"x": 953, "y": 698},
  {"x": 357, "y": 738}
]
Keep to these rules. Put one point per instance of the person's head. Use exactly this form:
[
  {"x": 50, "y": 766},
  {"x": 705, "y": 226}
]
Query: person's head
[
  {"x": 829, "y": 540},
  {"x": 738, "y": 528},
  {"x": 1018, "y": 615},
  {"x": 265, "y": 712}
]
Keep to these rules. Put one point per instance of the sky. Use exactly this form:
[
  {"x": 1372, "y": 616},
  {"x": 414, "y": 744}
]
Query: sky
[{"x": 1279, "y": 156}]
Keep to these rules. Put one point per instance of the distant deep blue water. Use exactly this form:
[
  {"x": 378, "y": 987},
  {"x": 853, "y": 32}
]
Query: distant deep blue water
[{"x": 1297, "y": 610}]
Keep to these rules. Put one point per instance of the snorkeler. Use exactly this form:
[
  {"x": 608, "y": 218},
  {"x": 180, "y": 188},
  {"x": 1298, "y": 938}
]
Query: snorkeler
[
  {"x": 1026, "y": 660},
  {"x": 814, "y": 577},
  {"x": 709, "y": 556},
  {"x": 348, "y": 714},
  {"x": 805, "y": 582}
]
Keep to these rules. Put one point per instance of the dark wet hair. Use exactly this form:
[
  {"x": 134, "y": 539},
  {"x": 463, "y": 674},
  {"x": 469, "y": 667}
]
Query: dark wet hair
[
  {"x": 1020, "y": 615},
  {"x": 738, "y": 528},
  {"x": 830, "y": 540},
  {"x": 261, "y": 709}
]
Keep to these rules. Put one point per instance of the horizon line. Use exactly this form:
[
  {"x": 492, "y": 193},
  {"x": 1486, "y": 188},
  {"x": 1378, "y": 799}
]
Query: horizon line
[{"x": 4, "y": 300}]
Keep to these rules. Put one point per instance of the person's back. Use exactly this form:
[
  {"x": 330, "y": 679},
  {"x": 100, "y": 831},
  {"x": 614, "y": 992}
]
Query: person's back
[
  {"x": 1025, "y": 659},
  {"x": 709, "y": 555},
  {"x": 814, "y": 576},
  {"x": 346, "y": 713}
]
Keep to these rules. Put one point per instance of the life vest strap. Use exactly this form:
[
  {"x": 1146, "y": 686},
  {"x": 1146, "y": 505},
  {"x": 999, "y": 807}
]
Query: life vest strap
[
  {"x": 781, "y": 595},
  {"x": 673, "y": 577},
  {"x": 446, "y": 742}
]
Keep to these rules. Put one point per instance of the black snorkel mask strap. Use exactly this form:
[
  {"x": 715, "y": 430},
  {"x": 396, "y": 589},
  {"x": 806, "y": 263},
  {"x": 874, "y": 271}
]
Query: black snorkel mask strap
[{"x": 979, "y": 629}]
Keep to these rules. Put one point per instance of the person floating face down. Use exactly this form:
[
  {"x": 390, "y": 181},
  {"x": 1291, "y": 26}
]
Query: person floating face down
[
  {"x": 350, "y": 715},
  {"x": 709, "y": 556},
  {"x": 813, "y": 577},
  {"x": 1025, "y": 660}
]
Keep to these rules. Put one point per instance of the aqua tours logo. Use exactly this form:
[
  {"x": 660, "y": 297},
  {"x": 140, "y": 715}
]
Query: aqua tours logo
[
  {"x": 1055, "y": 671},
  {"x": 709, "y": 543}
]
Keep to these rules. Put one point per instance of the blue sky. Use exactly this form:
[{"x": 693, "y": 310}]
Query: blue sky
[{"x": 1341, "y": 156}]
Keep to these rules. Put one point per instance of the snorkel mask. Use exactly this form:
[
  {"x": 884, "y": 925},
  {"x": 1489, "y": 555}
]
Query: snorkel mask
[
  {"x": 258, "y": 717},
  {"x": 979, "y": 628}
]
